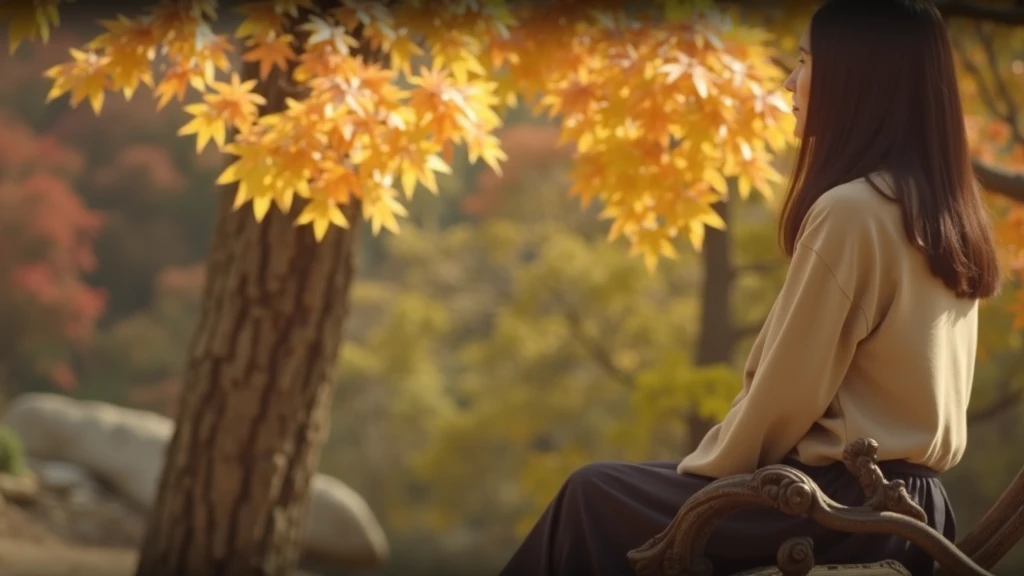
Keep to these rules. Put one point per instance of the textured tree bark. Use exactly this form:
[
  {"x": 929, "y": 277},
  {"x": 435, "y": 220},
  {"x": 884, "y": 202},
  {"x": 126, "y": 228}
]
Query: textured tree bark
[{"x": 253, "y": 415}]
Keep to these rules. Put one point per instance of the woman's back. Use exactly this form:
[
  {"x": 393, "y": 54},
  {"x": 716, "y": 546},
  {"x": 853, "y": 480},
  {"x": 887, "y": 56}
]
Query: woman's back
[
  {"x": 863, "y": 341},
  {"x": 909, "y": 381}
]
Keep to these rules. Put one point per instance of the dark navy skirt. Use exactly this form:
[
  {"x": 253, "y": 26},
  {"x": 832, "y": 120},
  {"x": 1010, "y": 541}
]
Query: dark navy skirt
[{"x": 604, "y": 510}]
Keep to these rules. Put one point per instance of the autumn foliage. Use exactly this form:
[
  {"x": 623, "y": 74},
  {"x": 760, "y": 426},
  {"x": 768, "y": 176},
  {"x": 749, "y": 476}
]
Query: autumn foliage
[
  {"x": 47, "y": 309},
  {"x": 661, "y": 106}
]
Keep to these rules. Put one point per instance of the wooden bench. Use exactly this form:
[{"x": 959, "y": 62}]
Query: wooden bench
[{"x": 678, "y": 550}]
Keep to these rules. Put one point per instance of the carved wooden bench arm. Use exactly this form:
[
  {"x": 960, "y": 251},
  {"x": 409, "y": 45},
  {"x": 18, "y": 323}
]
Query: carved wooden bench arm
[{"x": 679, "y": 549}]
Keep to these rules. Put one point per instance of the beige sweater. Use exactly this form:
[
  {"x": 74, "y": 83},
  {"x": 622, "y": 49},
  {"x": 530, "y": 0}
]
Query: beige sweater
[{"x": 863, "y": 341}]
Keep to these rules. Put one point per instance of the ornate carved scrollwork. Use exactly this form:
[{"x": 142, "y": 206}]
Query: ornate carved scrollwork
[
  {"x": 679, "y": 549},
  {"x": 796, "y": 557},
  {"x": 861, "y": 459}
]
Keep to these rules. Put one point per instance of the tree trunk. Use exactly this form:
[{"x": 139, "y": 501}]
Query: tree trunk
[
  {"x": 716, "y": 341},
  {"x": 254, "y": 411}
]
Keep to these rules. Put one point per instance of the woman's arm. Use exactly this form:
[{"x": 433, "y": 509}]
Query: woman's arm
[{"x": 807, "y": 345}]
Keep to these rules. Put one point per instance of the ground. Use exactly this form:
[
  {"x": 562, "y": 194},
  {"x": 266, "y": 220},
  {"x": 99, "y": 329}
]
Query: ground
[
  {"x": 31, "y": 545},
  {"x": 61, "y": 535},
  {"x": 64, "y": 560}
]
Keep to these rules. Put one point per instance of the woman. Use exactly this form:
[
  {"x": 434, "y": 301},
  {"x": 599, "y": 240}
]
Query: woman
[{"x": 875, "y": 329}]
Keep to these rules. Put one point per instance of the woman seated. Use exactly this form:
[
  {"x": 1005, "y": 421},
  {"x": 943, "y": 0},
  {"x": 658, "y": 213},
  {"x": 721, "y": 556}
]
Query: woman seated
[{"x": 873, "y": 334}]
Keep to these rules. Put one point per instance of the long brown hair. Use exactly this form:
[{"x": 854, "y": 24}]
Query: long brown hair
[{"x": 884, "y": 97}]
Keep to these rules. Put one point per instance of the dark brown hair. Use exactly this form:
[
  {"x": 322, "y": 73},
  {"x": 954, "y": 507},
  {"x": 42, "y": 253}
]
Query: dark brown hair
[{"x": 884, "y": 97}]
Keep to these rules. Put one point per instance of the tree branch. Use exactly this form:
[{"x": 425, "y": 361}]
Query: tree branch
[
  {"x": 969, "y": 11},
  {"x": 597, "y": 351},
  {"x": 1009, "y": 114},
  {"x": 1008, "y": 400},
  {"x": 1008, "y": 397},
  {"x": 986, "y": 95},
  {"x": 1007, "y": 183},
  {"x": 756, "y": 267}
]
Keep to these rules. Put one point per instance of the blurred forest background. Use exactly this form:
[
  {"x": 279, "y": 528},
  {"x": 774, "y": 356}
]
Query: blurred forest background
[{"x": 494, "y": 345}]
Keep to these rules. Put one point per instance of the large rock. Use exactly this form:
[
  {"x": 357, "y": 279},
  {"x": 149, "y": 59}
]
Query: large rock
[
  {"x": 122, "y": 446},
  {"x": 125, "y": 448}
]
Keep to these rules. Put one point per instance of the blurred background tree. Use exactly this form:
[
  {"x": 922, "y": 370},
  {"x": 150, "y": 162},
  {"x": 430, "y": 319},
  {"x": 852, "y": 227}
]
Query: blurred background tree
[{"x": 47, "y": 308}]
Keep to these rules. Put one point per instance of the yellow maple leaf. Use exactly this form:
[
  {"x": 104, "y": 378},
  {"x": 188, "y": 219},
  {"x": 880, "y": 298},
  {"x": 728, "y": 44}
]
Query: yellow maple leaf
[
  {"x": 401, "y": 51},
  {"x": 235, "y": 102},
  {"x": 84, "y": 77},
  {"x": 381, "y": 204},
  {"x": 261, "y": 19},
  {"x": 130, "y": 43},
  {"x": 327, "y": 34},
  {"x": 28, "y": 20},
  {"x": 321, "y": 213},
  {"x": 174, "y": 84},
  {"x": 270, "y": 51},
  {"x": 250, "y": 171},
  {"x": 205, "y": 124}
]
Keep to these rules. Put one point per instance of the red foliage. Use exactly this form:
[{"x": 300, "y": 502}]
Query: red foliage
[
  {"x": 148, "y": 181},
  {"x": 46, "y": 307},
  {"x": 530, "y": 147}
]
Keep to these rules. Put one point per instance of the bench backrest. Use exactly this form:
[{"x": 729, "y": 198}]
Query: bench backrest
[{"x": 1000, "y": 529}]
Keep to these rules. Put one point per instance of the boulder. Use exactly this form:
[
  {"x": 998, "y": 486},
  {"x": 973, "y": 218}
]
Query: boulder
[
  {"x": 61, "y": 477},
  {"x": 125, "y": 448},
  {"x": 335, "y": 510},
  {"x": 71, "y": 481},
  {"x": 22, "y": 489},
  {"x": 121, "y": 446}
]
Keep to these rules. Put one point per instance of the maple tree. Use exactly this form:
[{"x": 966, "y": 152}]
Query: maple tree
[
  {"x": 48, "y": 310},
  {"x": 700, "y": 108},
  {"x": 340, "y": 114}
]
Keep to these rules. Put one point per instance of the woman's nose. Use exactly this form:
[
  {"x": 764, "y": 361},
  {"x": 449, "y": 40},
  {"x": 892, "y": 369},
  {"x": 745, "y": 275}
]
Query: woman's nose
[{"x": 790, "y": 83}]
